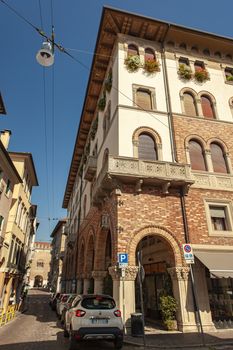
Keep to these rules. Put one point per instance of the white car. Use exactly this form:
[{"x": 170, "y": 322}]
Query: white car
[
  {"x": 94, "y": 317},
  {"x": 61, "y": 303}
]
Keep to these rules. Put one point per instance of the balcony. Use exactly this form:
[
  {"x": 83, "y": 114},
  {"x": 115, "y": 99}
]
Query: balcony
[
  {"x": 213, "y": 181},
  {"x": 139, "y": 172},
  {"x": 90, "y": 168}
]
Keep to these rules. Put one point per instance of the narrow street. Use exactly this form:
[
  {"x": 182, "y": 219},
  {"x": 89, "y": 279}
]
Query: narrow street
[{"x": 39, "y": 329}]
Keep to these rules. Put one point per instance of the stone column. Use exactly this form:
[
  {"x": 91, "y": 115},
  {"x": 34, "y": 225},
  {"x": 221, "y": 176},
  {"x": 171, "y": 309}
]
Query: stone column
[
  {"x": 124, "y": 291},
  {"x": 182, "y": 291},
  {"x": 203, "y": 297},
  {"x": 86, "y": 283},
  {"x": 98, "y": 281},
  {"x": 209, "y": 161},
  {"x": 79, "y": 285}
]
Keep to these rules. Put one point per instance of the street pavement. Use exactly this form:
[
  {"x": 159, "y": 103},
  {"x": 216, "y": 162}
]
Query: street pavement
[{"x": 39, "y": 329}]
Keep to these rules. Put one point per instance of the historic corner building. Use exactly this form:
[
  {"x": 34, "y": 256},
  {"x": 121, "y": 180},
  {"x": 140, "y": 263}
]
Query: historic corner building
[
  {"x": 152, "y": 170},
  {"x": 41, "y": 264}
]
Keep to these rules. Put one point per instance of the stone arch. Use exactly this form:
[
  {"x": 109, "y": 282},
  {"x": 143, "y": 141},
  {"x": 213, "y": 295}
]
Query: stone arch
[
  {"x": 194, "y": 94},
  {"x": 89, "y": 253},
  {"x": 220, "y": 142},
  {"x": 197, "y": 138},
  {"x": 157, "y": 231},
  {"x": 38, "y": 281},
  {"x": 153, "y": 134}
]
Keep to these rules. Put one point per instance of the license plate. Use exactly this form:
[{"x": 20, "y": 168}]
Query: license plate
[{"x": 99, "y": 321}]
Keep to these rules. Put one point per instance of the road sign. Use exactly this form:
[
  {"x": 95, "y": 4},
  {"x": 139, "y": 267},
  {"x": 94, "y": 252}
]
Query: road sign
[
  {"x": 122, "y": 259},
  {"x": 188, "y": 253}
]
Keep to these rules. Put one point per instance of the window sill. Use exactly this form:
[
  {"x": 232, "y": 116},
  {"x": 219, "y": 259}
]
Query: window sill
[
  {"x": 228, "y": 82},
  {"x": 221, "y": 233}
]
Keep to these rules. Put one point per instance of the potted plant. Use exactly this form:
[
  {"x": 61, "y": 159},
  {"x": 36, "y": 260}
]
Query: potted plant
[
  {"x": 151, "y": 65},
  {"x": 201, "y": 75},
  {"x": 108, "y": 82},
  {"x": 94, "y": 128},
  {"x": 185, "y": 72},
  {"x": 229, "y": 77},
  {"x": 168, "y": 307},
  {"x": 133, "y": 63},
  {"x": 102, "y": 103}
]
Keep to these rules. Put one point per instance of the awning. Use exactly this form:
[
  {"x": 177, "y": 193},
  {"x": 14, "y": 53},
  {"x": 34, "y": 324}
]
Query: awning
[{"x": 219, "y": 263}]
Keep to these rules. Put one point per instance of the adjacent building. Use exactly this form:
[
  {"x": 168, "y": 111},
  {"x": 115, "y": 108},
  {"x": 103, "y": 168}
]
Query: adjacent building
[
  {"x": 40, "y": 266},
  {"x": 20, "y": 229},
  {"x": 152, "y": 170},
  {"x": 57, "y": 255}
]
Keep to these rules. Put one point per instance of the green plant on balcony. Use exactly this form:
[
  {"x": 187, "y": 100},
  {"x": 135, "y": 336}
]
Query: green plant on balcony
[
  {"x": 201, "y": 75},
  {"x": 94, "y": 128},
  {"x": 184, "y": 72},
  {"x": 133, "y": 63},
  {"x": 168, "y": 307},
  {"x": 102, "y": 103},
  {"x": 151, "y": 65},
  {"x": 229, "y": 77},
  {"x": 108, "y": 82}
]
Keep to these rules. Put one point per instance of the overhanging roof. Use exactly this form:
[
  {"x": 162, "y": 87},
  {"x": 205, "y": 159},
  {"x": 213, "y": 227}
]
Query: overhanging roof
[
  {"x": 28, "y": 156},
  {"x": 219, "y": 263},
  {"x": 113, "y": 22}
]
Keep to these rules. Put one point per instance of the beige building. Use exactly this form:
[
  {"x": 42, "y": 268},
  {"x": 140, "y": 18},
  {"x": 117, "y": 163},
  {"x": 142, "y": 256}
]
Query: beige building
[
  {"x": 40, "y": 267},
  {"x": 57, "y": 255},
  {"x": 9, "y": 177},
  {"x": 152, "y": 171},
  {"x": 19, "y": 229}
]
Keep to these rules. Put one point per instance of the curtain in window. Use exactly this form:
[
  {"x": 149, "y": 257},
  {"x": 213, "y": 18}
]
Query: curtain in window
[
  {"x": 196, "y": 156},
  {"x": 218, "y": 159},
  {"x": 132, "y": 50},
  {"x": 189, "y": 105},
  {"x": 207, "y": 107},
  {"x": 149, "y": 54},
  {"x": 147, "y": 148},
  {"x": 143, "y": 99}
]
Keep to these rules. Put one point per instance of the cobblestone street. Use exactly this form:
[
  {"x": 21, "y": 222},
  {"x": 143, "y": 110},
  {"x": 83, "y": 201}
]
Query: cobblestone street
[{"x": 38, "y": 329}]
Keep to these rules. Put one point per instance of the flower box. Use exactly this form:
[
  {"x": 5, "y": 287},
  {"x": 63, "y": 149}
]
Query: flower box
[
  {"x": 133, "y": 63},
  {"x": 151, "y": 65},
  {"x": 201, "y": 75},
  {"x": 185, "y": 72}
]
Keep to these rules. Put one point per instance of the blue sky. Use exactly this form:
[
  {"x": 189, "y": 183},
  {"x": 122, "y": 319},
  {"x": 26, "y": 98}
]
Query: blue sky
[{"x": 50, "y": 136}]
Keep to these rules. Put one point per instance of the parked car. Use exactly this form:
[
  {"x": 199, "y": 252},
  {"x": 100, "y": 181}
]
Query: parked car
[
  {"x": 67, "y": 306},
  {"x": 53, "y": 300},
  {"x": 93, "y": 317},
  {"x": 60, "y": 303}
]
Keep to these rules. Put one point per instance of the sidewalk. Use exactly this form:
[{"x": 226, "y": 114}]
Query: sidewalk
[{"x": 160, "y": 339}]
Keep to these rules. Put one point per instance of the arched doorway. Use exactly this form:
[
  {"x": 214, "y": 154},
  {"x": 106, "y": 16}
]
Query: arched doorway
[
  {"x": 38, "y": 281},
  {"x": 156, "y": 257},
  {"x": 90, "y": 265}
]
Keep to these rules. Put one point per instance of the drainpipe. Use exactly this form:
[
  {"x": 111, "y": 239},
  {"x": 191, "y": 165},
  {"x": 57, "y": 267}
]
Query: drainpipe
[
  {"x": 187, "y": 240},
  {"x": 78, "y": 230},
  {"x": 168, "y": 98}
]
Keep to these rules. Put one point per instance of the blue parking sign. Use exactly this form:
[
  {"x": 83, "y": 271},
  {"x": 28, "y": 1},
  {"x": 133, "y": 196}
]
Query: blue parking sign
[{"x": 123, "y": 259}]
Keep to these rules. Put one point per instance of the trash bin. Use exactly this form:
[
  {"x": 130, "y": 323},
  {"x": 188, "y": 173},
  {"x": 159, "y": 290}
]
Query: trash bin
[{"x": 136, "y": 325}]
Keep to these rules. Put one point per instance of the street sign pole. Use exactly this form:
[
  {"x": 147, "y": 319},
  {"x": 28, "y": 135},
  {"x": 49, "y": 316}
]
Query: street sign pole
[{"x": 139, "y": 254}]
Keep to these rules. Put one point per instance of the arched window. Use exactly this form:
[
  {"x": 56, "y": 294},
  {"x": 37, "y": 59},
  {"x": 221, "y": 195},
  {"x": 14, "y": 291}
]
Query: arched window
[
  {"x": 218, "y": 159},
  {"x": 149, "y": 54},
  {"x": 132, "y": 50},
  {"x": 147, "y": 147},
  {"x": 143, "y": 99},
  {"x": 207, "y": 107},
  {"x": 197, "y": 159},
  {"x": 189, "y": 104}
]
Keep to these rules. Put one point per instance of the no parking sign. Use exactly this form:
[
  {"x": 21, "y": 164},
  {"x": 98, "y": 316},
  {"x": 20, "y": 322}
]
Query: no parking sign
[{"x": 188, "y": 253}]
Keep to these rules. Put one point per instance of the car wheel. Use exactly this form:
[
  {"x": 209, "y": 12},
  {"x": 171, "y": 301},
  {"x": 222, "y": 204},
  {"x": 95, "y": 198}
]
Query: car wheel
[{"x": 118, "y": 343}]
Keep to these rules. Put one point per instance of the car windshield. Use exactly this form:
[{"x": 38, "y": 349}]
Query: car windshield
[{"x": 98, "y": 302}]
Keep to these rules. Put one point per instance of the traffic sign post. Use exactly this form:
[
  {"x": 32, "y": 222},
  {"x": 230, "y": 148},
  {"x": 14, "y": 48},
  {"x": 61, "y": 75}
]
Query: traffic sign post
[
  {"x": 122, "y": 260},
  {"x": 188, "y": 253}
]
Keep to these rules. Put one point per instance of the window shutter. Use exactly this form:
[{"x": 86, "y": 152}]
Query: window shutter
[
  {"x": 207, "y": 107},
  {"x": 218, "y": 160},
  {"x": 196, "y": 156},
  {"x": 143, "y": 99},
  {"x": 146, "y": 148},
  {"x": 189, "y": 105}
]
